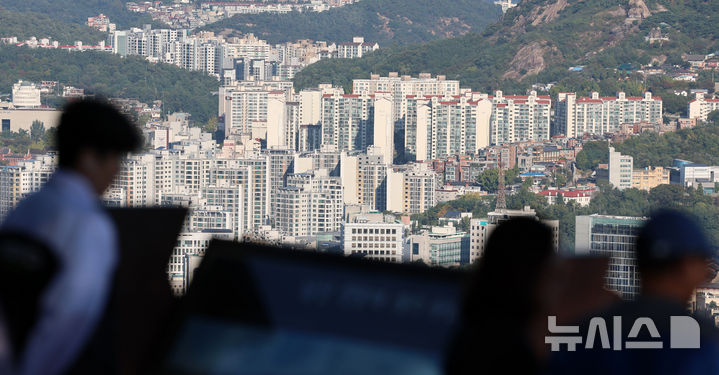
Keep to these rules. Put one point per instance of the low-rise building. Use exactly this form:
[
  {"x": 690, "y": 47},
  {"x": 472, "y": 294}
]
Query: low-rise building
[
  {"x": 579, "y": 197},
  {"x": 25, "y": 95},
  {"x": 22, "y": 118},
  {"x": 374, "y": 239},
  {"x": 649, "y": 178}
]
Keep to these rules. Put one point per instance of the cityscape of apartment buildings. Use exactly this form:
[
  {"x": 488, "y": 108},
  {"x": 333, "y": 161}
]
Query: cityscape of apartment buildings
[
  {"x": 255, "y": 186},
  {"x": 187, "y": 14},
  {"x": 315, "y": 168}
]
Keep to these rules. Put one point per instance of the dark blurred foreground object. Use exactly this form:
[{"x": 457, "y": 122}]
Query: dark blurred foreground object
[
  {"x": 503, "y": 304},
  {"x": 577, "y": 287},
  {"x": 66, "y": 214},
  {"x": 26, "y": 268},
  {"x": 653, "y": 334},
  {"x": 141, "y": 303},
  {"x": 254, "y": 309}
]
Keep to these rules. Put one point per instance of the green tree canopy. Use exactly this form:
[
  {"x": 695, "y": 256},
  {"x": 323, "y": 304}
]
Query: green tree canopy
[{"x": 37, "y": 131}]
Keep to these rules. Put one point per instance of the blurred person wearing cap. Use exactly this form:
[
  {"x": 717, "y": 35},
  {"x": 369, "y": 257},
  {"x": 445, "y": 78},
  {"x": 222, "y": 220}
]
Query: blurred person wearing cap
[
  {"x": 673, "y": 258},
  {"x": 68, "y": 217}
]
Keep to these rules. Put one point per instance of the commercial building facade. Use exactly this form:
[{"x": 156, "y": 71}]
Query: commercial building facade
[
  {"x": 620, "y": 169},
  {"x": 613, "y": 237}
]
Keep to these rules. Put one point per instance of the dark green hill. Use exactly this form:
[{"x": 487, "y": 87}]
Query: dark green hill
[
  {"x": 27, "y": 24},
  {"x": 537, "y": 41},
  {"x": 77, "y": 11},
  {"x": 113, "y": 76},
  {"x": 384, "y": 21}
]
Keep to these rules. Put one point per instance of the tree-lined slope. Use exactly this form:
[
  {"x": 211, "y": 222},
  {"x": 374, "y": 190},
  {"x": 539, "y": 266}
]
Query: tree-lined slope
[
  {"x": 77, "y": 11},
  {"x": 113, "y": 76},
  {"x": 28, "y": 24},
  {"x": 384, "y": 21},
  {"x": 539, "y": 40}
]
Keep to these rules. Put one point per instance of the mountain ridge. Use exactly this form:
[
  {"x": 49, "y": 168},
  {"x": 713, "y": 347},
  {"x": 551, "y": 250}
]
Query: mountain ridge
[{"x": 386, "y": 22}]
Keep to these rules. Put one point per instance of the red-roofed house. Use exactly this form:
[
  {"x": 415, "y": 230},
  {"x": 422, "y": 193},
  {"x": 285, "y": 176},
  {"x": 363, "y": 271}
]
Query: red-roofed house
[{"x": 579, "y": 197}]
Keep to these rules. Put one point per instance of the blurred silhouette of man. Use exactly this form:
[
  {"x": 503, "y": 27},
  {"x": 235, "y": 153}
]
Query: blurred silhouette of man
[
  {"x": 67, "y": 215},
  {"x": 503, "y": 306},
  {"x": 673, "y": 259}
]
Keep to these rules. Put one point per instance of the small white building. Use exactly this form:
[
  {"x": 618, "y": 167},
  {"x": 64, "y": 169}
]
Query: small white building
[
  {"x": 580, "y": 197},
  {"x": 25, "y": 95},
  {"x": 374, "y": 239}
]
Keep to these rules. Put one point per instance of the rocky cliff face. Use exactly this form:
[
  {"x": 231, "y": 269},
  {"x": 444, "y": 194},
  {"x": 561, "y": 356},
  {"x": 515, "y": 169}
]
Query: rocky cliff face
[{"x": 604, "y": 30}]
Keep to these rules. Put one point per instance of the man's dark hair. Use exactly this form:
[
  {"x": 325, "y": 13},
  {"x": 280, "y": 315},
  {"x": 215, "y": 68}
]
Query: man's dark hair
[{"x": 96, "y": 125}]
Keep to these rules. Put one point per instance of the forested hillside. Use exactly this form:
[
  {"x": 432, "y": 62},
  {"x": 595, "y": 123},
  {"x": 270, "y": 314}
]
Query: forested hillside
[
  {"x": 28, "y": 24},
  {"x": 537, "y": 41},
  {"x": 700, "y": 145},
  {"x": 113, "y": 76},
  {"x": 384, "y": 21},
  {"x": 77, "y": 11}
]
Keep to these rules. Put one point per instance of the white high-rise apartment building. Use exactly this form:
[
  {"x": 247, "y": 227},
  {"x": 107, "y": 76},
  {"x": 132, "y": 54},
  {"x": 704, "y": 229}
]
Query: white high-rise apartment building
[
  {"x": 280, "y": 163},
  {"x": 383, "y": 137},
  {"x": 372, "y": 179},
  {"x": 231, "y": 198},
  {"x": 412, "y": 189},
  {"x": 258, "y": 111},
  {"x": 353, "y": 122},
  {"x": 599, "y": 115},
  {"x": 326, "y": 203},
  {"x": 620, "y": 169},
  {"x": 519, "y": 118},
  {"x": 700, "y": 107},
  {"x": 311, "y": 105},
  {"x": 172, "y": 47},
  {"x": 293, "y": 211},
  {"x": 310, "y": 204},
  {"x": 249, "y": 48},
  {"x": 18, "y": 181},
  {"x": 137, "y": 180},
  {"x": 399, "y": 87},
  {"x": 346, "y": 120},
  {"x": 254, "y": 177},
  {"x": 438, "y": 126}
]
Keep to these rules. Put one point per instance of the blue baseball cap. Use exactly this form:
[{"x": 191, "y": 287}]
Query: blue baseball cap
[{"x": 670, "y": 234}]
